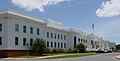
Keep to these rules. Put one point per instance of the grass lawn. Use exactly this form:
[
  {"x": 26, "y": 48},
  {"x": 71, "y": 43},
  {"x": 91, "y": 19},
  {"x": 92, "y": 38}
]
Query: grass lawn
[{"x": 60, "y": 55}]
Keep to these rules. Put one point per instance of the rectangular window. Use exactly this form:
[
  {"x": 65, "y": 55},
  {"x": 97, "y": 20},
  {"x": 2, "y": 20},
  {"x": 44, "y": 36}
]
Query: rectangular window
[
  {"x": 0, "y": 27},
  {"x": 47, "y": 34},
  {"x": 38, "y": 30},
  {"x": 64, "y": 37},
  {"x": 0, "y": 40},
  {"x": 47, "y": 44},
  {"x": 55, "y": 35},
  {"x": 58, "y": 36},
  {"x": 61, "y": 45},
  {"x": 51, "y": 35},
  {"x": 79, "y": 40},
  {"x": 51, "y": 44},
  {"x": 24, "y": 41},
  {"x": 16, "y": 40},
  {"x": 24, "y": 29},
  {"x": 16, "y": 27},
  {"x": 55, "y": 44},
  {"x": 61, "y": 37},
  {"x": 31, "y": 42},
  {"x": 31, "y": 30},
  {"x": 58, "y": 45},
  {"x": 64, "y": 45}
]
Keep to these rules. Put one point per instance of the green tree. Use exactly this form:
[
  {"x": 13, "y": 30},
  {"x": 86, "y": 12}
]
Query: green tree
[
  {"x": 39, "y": 46},
  {"x": 118, "y": 47},
  {"x": 81, "y": 48}
]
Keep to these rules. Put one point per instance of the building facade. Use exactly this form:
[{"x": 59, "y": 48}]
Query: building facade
[{"x": 18, "y": 32}]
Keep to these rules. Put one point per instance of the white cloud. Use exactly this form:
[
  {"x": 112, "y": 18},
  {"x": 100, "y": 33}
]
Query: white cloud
[
  {"x": 30, "y": 5},
  {"x": 109, "y": 9}
]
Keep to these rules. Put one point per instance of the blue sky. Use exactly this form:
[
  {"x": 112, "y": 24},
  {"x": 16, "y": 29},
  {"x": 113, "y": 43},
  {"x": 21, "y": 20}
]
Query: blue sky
[{"x": 77, "y": 14}]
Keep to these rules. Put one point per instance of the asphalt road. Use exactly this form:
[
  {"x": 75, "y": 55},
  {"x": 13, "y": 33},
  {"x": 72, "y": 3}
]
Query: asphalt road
[{"x": 101, "y": 57}]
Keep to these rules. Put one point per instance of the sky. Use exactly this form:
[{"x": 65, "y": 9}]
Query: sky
[{"x": 76, "y": 14}]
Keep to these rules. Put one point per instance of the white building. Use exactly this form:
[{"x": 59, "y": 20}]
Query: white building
[{"x": 17, "y": 30}]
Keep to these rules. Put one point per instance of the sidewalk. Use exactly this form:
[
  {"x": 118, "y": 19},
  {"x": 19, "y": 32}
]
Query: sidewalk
[
  {"x": 117, "y": 57},
  {"x": 44, "y": 57}
]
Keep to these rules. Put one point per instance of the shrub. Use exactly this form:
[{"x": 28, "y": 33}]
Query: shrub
[
  {"x": 81, "y": 48},
  {"x": 39, "y": 46}
]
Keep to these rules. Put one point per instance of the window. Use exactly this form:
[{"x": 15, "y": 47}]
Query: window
[
  {"x": 55, "y": 35},
  {"x": 51, "y": 44},
  {"x": 64, "y": 37},
  {"x": 61, "y": 37},
  {"x": 31, "y": 30},
  {"x": 64, "y": 45},
  {"x": 55, "y": 44},
  {"x": 58, "y": 45},
  {"x": 0, "y": 27},
  {"x": 75, "y": 41},
  {"x": 58, "y": 36},
  {"x": 86, "y": 41},
  {"x": 79, "y": 40},
  {"x": 61, "y": 45},
  {"x": 47, "y": 44},
  {"x": 47, "y": 34},
  {"x": 16, "y": 40},
  {"x": 51, "y": 35},
  {"x": 16, "y": 27},
  {"x": 24, "y": 29},
  {"x": 24, "y": 41},
  {"x": 0, "y": 40},
  {"x": 38, "y": 30},
  {"x": 31, "y": 42}
]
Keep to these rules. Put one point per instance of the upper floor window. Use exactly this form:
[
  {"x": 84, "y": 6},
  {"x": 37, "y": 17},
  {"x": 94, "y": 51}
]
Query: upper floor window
[
  {"x": 16, "y": 40},
  {"x": 58, "y": 36},
  {"x": 0, "y": 27},
  {"x": 0, "y": 40},
  {"x": 31, "y": 42},
  {"x": 24, "y": 41},
  {"x": 55, "y": 35},
  {"x": 47, "y": 34},
  {"x": 17, "y": 27},
  {"x": 79, "y": 40},
  {"x": 38, "y": 30},
  {"x": 64, "y": 37},
  {"x": 61, "y": 37},
  {"x": 51, "y": 35},
  {"x": 31, "y": 30},
  {"x": 24, "y": 29}
]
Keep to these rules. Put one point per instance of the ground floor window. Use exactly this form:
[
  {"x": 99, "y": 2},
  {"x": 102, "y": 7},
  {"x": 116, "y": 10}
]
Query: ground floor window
[
  {"x": 24, "y": 41},
  {"x": 16, "y": 40}
]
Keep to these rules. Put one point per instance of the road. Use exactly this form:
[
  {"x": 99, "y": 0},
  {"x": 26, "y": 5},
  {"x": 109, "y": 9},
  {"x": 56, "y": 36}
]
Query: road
[{"x": 101, "y": 57}]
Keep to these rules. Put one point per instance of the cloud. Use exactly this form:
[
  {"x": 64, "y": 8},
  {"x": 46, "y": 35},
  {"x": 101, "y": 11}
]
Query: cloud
[
  {"x": 109, "y": 9},
  {"x": 30, "y": 5}
]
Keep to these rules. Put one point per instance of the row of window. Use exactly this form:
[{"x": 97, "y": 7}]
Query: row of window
[
  {"x": 24, "y": 41},
  {"x": 82, "y": 41},
  {"x": 25, "y": 29},
  {"x": 55, "y": 44},
  {"x": 56, "y": 36}
]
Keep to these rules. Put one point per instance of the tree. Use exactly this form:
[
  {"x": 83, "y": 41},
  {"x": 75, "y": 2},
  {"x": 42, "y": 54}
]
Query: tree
[
  {"x": 39, "y": 46},
  {"x": 118, "y": 47},
  {"x": 81, "y": 48}
]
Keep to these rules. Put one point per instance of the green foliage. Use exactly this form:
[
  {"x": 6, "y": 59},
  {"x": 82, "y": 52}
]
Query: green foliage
[
  {"x": 58, "y": 50},
  {"x": 81, "y": 48},
  {"x": 39, "y": 46},
  {"x": 118, "y": 47}
]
